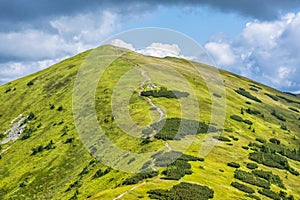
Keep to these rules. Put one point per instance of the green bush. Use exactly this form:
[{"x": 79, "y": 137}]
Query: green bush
[
  {"x": 138, "y": 177},
  {"x": 251, "y": 178},
  {"x": 247, "y": 94},
  {"x": 269, "y": 193},
  {"x": 261, "y": 140},
  {"x": 294, "y": 109},
  {"x": 222, "y": 138},
  {"x": 233, "y": 164},
  {"x": 269, "y": 176},
  {"x": 100, "y": 173},
  {"x": 183, "y": 191},
  {"x": 165, "y": 93},
  {"x": 242, "y": 187},
  {"x": 275, "y": 141},
  {"x": 252, "y": 112},
  {"x": 252, "y": 165},
  {"x": 279, "y": 117},
  {"x": 177, "y": 170},
  {"x": 176, "y": 128},
  {"x": 30, "y": 83},
  {"x": 237, "y": 118},
  {"x": 272, "y": 96}
]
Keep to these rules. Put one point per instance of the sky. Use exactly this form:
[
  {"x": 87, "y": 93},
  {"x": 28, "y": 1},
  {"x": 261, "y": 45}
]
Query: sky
[{"x": 258, "y": 39}]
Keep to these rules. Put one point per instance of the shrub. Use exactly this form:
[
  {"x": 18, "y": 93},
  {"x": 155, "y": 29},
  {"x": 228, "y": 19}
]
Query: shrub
[
  {"x": 177, "y": 170},
  {"x": 269, "y": 176},
  {"x": 169, "y": 128},
  {"x": 233, "y": 164},
  {"x": 252, "y": 165},
  {"x": 222, "y": 138},
  {"x": 247, "y": 94},
  {"x": 217, "y": 95},
  {"x": 100, "y": 173},
  {"x": 138, "y": 177},
  {"x": 272, "y": 96},
  {"x": 242, "y": 187},
  {"x": 251, "y": 178},
  {"x": 183, "y": 190},
  {"x": 31, "y": 116},
  {"x": 261, "y": 140},
  {"x": 27, "y": 133},
  {"x": 165, "y": 93},
  {"x": 252, "y": 112},
  {"x": 30, "y": 83},
  {"x": 51, "y": 106},
  {"x": 294, "y": 109},
  {"x": 269, "y": 193},
  {"x": 60, "y": 108},
  {"x": 283, "y": 127},
  {"x": 248, "y": 122},
  {"x": 279, "y": 117},
  {"x": 7, "y": 90},
  {"x": 237, "y": 118},
  {"x": 275, "y": 141}
]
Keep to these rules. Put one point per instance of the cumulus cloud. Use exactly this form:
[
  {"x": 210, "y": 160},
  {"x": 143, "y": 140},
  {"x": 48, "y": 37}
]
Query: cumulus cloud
[
  {"x": 122, "y": 44},
  {"x": 221, "y": 52},
  {"x": 264, "y": 51},
  {"x": 22, "y": 52},
  {"x": 161, "y": 50},
  {"x": 46, "y": 9}
]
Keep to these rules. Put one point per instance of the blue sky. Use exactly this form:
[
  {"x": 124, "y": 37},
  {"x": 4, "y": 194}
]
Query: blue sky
[{"x": 256, "y": 39}]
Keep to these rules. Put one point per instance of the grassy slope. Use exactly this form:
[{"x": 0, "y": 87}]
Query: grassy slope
[{"x": 49, "y": 174}]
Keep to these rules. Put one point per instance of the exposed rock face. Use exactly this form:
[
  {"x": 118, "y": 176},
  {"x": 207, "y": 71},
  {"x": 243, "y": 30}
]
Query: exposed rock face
[{"x": 16, "y": 130}]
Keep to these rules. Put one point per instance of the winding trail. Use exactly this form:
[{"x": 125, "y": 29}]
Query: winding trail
[
  {"x": 133, "y": 188},
  {"x": 161, "y": 116}
]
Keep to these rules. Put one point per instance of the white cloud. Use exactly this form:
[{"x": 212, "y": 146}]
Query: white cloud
[
  {"x": 161, "y": 50},
  {"x": 122, "y": 44},
  {"x": 221, "y": 53},
  {"x": 39, "y": 49},
  {"x": 268, "y": 52}
]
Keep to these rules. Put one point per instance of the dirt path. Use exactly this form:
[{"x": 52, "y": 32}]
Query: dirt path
[{"x": 124, "y": 193}]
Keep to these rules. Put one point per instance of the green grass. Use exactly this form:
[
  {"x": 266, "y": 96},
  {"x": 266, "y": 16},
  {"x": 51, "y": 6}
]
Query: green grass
[{"x": 58, "y": 173}]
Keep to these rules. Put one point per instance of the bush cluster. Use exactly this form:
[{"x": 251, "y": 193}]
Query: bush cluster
[
  {"x": 234, "y": 165},
  {"x": 242, "y": 187},
  {"x": 240, "y": 119},
  {"x": 168, "y": 129},
  {"x": 251, "y": 178},
  {"x": 183, "y": 191},
  {"x": 279, "y": 117},
  {"x": 163, "y": 92},
  {"x": 138, "y": 177},
  {"x": 270, "y": 177},
  {"x": 247, "y": 94},
  {"x": 41, "y": 148}
]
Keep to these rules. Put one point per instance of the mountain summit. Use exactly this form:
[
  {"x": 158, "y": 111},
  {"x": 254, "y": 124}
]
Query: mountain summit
[{"x": 113, "y": 124}]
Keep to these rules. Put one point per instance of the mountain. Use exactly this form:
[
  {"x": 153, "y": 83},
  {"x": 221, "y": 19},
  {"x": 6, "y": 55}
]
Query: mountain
[{"x": 211, "y": 136}]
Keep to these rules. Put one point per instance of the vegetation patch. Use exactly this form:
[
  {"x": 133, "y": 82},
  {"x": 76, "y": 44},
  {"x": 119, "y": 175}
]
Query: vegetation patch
[
  {"x": 278, "y": 116},
  {"x": 242, "y": 187},
  {"x": 138, "y": 177},
  {"x": 247, "y": 94},
  {"x": 164, "y": 92},
  {"x": 270, "y": 177},
  {"x": 176, "y": 128},
  {"x": 288, "y": 100},
  {"x": 294, "y": 109},
  {"x": 234, "y": 165},
  {"x": 251, "y": 178},
  {"x": 222, "y": 138},
  {"x": 272, "y": 96},
  {"x": 41, "y": 148},
  {"x": 183, "y": 191},
  {"x": 252, "y": 166},
  {"x": 240, "y": 119},
  {"x": 177, "y": 170}
]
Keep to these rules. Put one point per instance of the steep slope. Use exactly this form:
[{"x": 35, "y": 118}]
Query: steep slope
[{"x": 44, "y": 157}]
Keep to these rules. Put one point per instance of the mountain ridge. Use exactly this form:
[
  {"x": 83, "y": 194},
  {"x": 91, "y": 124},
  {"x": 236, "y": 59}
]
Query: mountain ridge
[{"x": 61, "y": 168}]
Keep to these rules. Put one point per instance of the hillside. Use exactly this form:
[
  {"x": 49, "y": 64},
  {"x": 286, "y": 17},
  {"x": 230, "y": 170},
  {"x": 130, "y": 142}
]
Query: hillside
[{"x": 51, "y": 150}]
